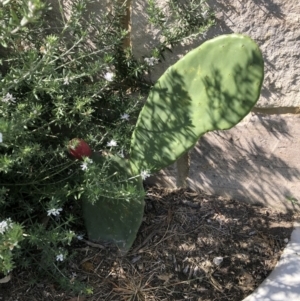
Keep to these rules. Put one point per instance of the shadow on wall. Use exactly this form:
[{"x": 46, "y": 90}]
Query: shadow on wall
[
  {"x": 228, "y": 14},
  {"x": 269, "y": 7},
  {"x": 248, "y": 163},
  {"x": 143, "y": 40}
]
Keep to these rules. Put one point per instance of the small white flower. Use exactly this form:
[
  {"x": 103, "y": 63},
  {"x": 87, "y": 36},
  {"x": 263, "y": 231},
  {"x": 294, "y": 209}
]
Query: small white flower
[
  {"x": 145, "y": 174},
  {"x": 60, "y": 257},
  {"x": 31, "y": 6},
  {"x": 24, "y": 21},
  {"x": 1, "y": 138},
  {"x": 54, "y": 212},
  {"x": 84, "y": 165},
  {"x": 4, "y": 225},
  {"x": 8, "y": 98},
  {"x": 125, "y": 116},
  {"x": 205, "y": 15},
  {"x": 79, "y": 237},
  {"x": 112, "y": 143},
  {"x": 151, "y": 61},
  {"x": 109, "y": 76},
  {"x": 66, "y": 81}
]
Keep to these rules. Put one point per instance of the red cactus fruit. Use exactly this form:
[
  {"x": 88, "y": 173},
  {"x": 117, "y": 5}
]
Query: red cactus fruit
[{"x": 78, "y": 148}]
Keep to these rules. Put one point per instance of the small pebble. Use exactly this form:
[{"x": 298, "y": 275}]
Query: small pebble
[
  {"x": 135, "y": 259},
  {"x": 218, "y": 260},
  {"x": 140, "y": 266},
  {"x": 186, "y": 269},
  {"x": 286, "y": 240}
]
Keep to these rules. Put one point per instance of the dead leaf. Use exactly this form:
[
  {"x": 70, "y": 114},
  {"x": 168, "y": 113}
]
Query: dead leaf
[
  {"x": 165, "y": 277},
  {"x": 87, "y": 266}
]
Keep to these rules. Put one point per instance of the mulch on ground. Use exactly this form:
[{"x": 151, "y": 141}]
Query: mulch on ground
[{"x": 191, "y": 246}]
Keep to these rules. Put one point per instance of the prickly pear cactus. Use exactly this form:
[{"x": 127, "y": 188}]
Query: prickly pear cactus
[
  {"x": 211, "y": 88},
  {"x": 116, "y": 220}
]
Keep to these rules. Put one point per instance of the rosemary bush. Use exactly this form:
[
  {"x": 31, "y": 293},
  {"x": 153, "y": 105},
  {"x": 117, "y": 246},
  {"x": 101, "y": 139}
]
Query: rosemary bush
[{"x": 74, "y": 79}]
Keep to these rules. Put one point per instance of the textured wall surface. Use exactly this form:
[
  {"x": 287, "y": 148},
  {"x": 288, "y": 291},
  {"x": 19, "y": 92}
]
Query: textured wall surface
[
  {"x": 273, "y": 24},
  {"x": 256, "y": 161}
]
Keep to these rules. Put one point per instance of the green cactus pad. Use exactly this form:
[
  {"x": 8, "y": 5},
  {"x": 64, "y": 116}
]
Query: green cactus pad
[
  {"x": 211, "y": 88},
  {"x": 116, "y": 220}
]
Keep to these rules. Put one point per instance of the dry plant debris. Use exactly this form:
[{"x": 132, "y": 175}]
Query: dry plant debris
[{"x": 191, "y": 246}]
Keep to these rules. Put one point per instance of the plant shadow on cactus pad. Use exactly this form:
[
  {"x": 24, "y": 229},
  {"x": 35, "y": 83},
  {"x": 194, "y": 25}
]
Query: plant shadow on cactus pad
[{"x": 213, "y": 87}]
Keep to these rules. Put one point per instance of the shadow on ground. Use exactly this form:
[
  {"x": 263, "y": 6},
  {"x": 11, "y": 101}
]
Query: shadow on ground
[{"x": 183, "y": 237}]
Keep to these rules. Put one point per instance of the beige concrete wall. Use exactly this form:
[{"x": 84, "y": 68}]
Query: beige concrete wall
[
  {"x": 257, "y": 161},
  {"x": 274, "y": 24}
]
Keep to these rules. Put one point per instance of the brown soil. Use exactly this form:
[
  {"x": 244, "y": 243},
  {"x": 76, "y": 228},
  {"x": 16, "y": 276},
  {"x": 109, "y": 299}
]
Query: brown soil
[{"x": 174, "y": 255}]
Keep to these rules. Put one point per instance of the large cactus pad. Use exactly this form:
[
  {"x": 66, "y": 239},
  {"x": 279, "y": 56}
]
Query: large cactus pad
[{"x": 212, "y": 87}]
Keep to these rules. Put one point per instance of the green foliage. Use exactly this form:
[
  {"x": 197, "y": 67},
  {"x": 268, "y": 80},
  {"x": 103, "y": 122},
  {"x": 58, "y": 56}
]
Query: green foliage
[
  {"x": 15, "y": 15},
  {"x": 179, "y": 20},
  {"x": 63, "y": 78},
  {"x": 211, "y": 88},
  {"x": 10, "y": 236},
  {"x": 293, "y": 200},
  {"x": 55, "y": 86}
]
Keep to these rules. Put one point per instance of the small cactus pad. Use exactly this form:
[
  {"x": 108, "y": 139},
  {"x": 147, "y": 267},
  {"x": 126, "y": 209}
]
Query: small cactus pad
[
  {"x": 116, "y": 220},
  {"x": 211, "y": 88}
]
